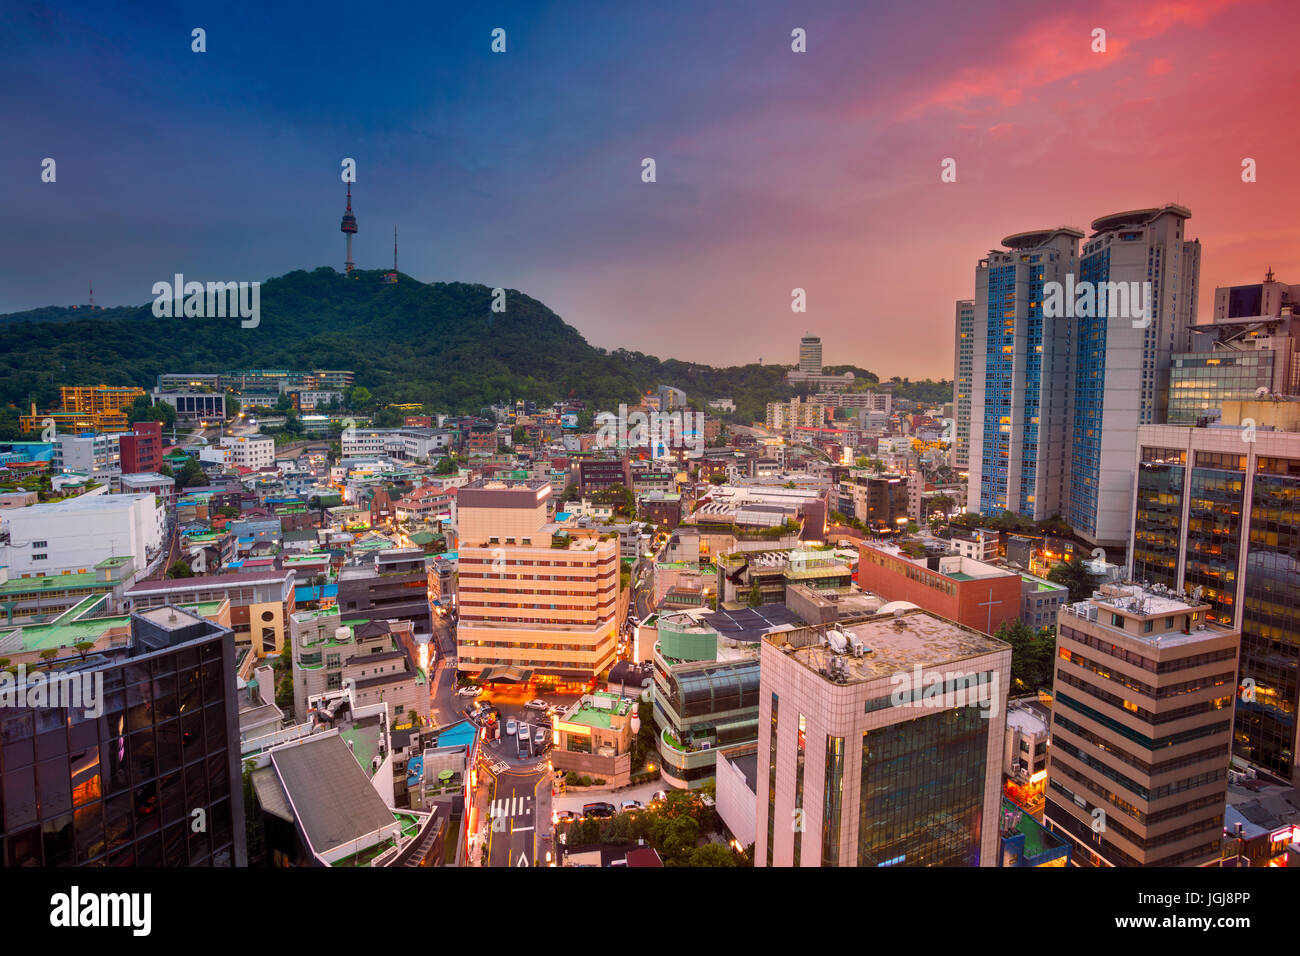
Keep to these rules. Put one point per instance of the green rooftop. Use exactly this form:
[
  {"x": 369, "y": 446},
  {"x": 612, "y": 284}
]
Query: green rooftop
[
  {"x": 67, "y": 631},
  {"x": 599, "y": 717}
]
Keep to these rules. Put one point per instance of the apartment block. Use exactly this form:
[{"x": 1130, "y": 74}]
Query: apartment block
[
  {"x": 1119, "y": 375},
  {"x": 1141, "y": 730},
  {"x": 250, "y": 451},
  {"x": 963, "y": 381},
  {"x": 880, "y": 744},
  {"x": 1019, "y": 365}
]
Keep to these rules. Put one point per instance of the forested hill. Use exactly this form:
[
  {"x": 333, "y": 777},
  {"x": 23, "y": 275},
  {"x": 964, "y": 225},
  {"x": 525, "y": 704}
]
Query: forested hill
[{"x": 437, "y": 344}]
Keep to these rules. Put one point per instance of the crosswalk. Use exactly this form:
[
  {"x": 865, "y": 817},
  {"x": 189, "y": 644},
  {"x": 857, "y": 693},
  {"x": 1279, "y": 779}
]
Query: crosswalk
[{"x": 515, "y": 806}]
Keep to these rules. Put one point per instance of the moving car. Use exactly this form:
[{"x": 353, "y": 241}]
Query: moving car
[
  {"x": 469, "y": 691},
  {"x": 537, "y": 704},
  {"x": 632, "y": 805},
  {"x": 511, "y": 726},
  {"x": 659, "y": 796}
]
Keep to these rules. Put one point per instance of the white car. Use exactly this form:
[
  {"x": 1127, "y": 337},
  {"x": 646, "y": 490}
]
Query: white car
[
  {"x": 632, "y": 805},
  {"x": 470, "y": 691},
  {"x": 511, "y": 726},
  {"x": 537, "y": 704},
  {"x": 659, "y": 796}
]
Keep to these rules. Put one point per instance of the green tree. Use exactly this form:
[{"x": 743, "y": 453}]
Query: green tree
[
  {"x": 179, "y": 569},
  {"x": 711, "y": 854},
  {"x": 1031, "y": 655},
  {"x": 1073, "y": 575},
  {"x": 190, "y": 476},
  {"x": 360, "y": 397},
  {"x": 755, "y": 596}
]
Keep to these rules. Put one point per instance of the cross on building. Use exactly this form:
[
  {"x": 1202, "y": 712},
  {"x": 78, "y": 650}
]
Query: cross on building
[{"x": 988, "y": 628}]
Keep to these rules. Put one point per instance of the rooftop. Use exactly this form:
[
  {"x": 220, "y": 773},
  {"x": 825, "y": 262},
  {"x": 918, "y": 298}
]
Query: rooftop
[{"x": 895, "y": 643}]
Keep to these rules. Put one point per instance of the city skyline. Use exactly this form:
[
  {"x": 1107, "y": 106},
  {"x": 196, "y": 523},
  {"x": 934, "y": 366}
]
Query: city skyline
[{"x": 775, "y": 170}]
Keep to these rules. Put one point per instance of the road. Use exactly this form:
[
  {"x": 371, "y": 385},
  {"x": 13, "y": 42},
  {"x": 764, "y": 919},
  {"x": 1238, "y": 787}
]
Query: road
[{"x": 520, "y": 816}]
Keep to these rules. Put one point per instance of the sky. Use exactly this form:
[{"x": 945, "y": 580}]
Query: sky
[{"x": 774, "y": 170}]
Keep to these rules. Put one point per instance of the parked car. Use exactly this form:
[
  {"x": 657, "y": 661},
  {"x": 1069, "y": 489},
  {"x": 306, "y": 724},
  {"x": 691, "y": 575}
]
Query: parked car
[
  {"x": 470, "y": 691},
  {"x": 511, "y": 726},
  {"x": 632, "y": 805},
  {"x": 598, "y": 810},
  {"x": 537, "y": 704},
  {"x": 539, "y": 738},
  {"x": 562, "y": 815},
  {"x": 659, "y": 796}
]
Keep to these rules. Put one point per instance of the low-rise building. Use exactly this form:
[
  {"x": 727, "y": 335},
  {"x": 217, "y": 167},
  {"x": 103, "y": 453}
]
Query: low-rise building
[{"x": 593, "y": 738}]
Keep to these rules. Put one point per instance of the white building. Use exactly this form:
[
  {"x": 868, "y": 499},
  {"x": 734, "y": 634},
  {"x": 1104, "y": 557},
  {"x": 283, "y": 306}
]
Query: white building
[
  {"x": 76, "y": 534},
  {"x": 400, "y": 443},
  {"x": 97, "y": 456},
  {"x": 250, "y": 451}
]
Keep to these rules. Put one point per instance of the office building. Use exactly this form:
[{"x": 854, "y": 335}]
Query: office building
[
  {"x": 1221, "y": 513},
  {"x": 1019, "y": 365},
  {"x": 1141, "y": 728},
  {"x": 535, "y": 603},
  {"x": 123, "y": 788},
  {"x": 706, "y": 689},
  {"x": 1251, "y": 348},
  {"x": 963, "y": 381},
  {"x": 810, "y": 354},
  {"x": 880, "y": 744}
]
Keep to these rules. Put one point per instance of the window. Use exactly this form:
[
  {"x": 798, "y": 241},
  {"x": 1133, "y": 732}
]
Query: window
[{"x": 40, "y": 544}]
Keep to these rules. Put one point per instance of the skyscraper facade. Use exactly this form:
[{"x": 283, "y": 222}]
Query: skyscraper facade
[
  {"x": 963, "y": 369},
  {"x": 1218, "y": 509},
  {"x": 1019, "y": 369},
  {"x": 810, "y": 354},
  {"x": 1119, "y": 376}
]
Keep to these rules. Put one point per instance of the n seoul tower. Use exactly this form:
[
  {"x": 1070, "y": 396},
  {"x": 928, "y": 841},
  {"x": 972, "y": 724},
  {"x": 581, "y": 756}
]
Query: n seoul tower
[{"x": 349, "y": 226}]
